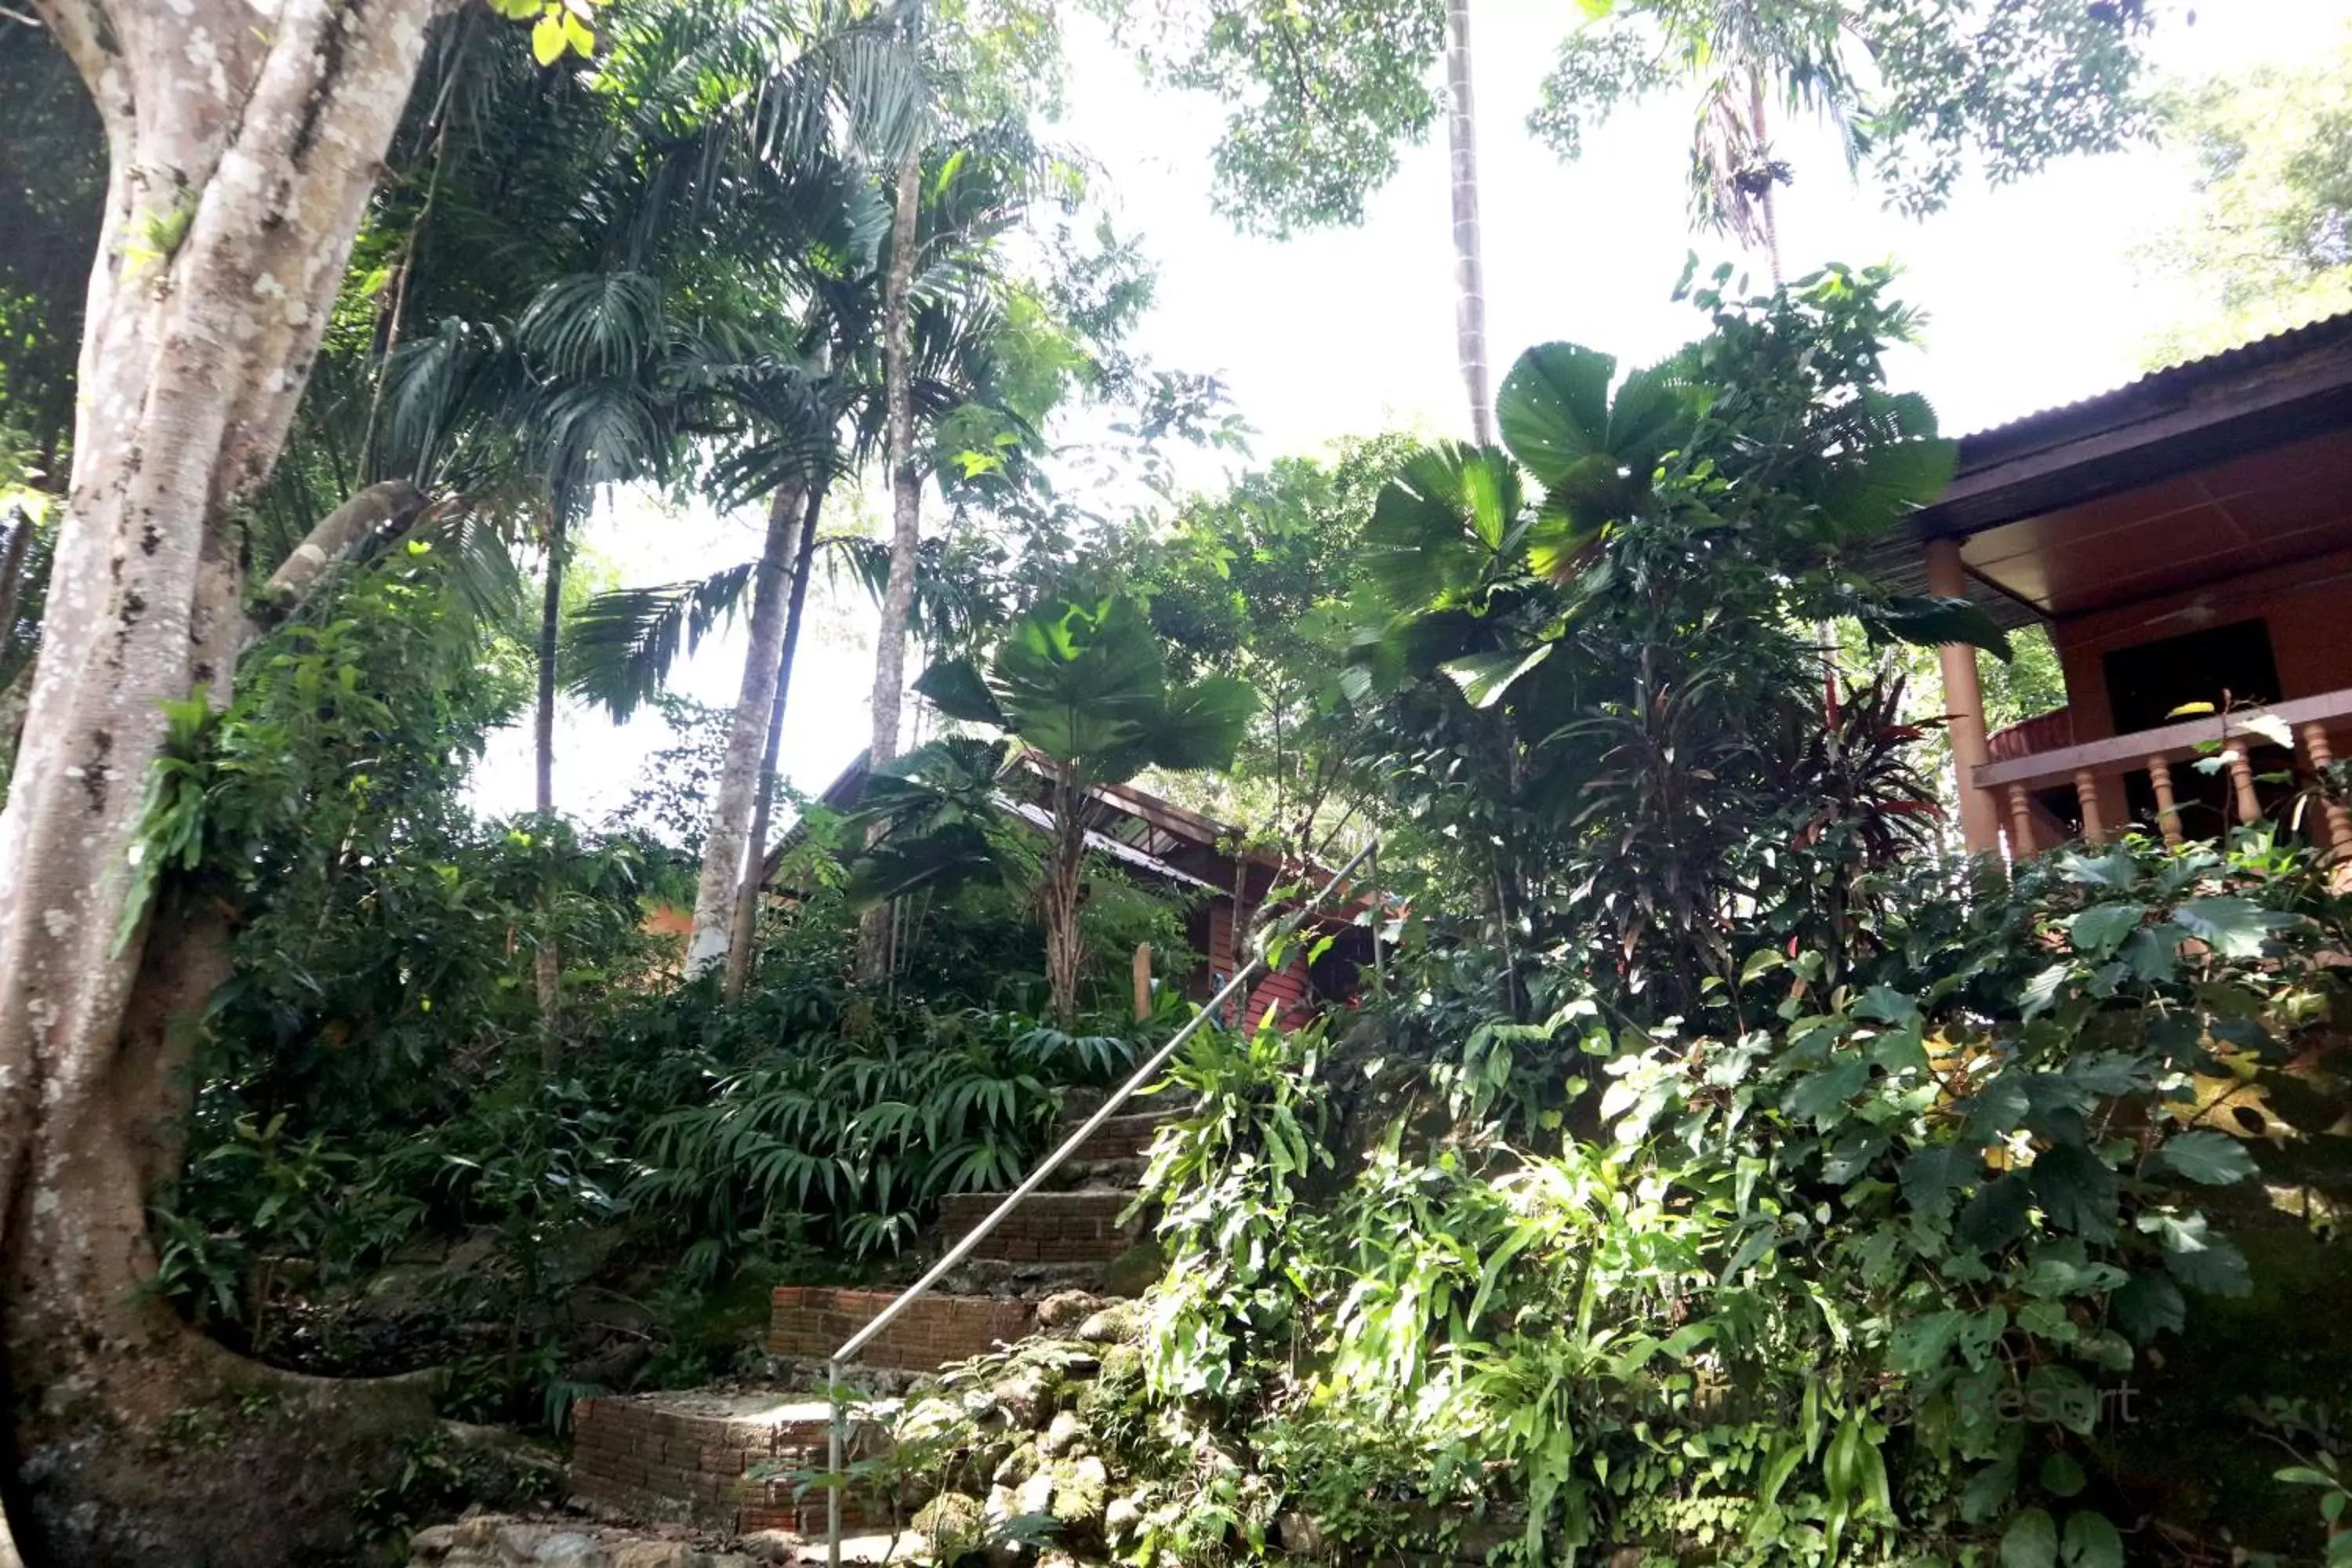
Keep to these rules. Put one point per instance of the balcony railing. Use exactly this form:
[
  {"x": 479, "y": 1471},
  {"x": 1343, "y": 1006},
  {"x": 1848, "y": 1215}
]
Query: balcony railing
[{"x": 2301, "y": 725}]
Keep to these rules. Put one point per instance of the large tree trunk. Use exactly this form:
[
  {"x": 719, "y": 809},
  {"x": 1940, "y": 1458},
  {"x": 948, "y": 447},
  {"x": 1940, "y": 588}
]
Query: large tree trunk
[
  {"x": 739, "y": 772},
  {"x": 1469, "y": 262},
  {"x": 743, "y": 936},
  {"x": 243, "y": 141},
  {"x": 905, "y": 507}
]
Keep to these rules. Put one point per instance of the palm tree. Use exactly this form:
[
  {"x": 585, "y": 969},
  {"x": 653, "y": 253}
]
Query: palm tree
[{"x": 1083, "y": 689}]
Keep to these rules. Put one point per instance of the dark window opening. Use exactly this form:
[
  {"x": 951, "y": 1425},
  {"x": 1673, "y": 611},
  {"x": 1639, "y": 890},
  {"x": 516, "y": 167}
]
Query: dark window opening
[{"x": 2147, "y": 681}]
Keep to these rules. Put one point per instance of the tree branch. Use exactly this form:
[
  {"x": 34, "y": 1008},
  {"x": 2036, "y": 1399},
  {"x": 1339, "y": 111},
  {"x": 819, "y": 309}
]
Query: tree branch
[{"x": 387, "y": 509}]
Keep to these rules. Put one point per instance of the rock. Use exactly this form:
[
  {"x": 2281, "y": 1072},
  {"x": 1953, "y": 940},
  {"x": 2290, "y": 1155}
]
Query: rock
[
  {"x": 1300, "y": 1536},
  {"x": 1066, "y": 1309},
  {"x": 1121, "y": 1517},
  {"x": 954, "y": 1523},
  {"x": 1025, "y": 1400},
  {"x": 433, "y": 1542},
  {"x": 657, "y": 1554},
  {"x": 1001, "y": 1506},
  {"x": 1120, "y": 1324},
  {"x": 1033, "y": 1496},
  {"x": 1016, "y": 1467},
  {"x": 1080, "y": 1488},
  {"x": 570, "y": 1548},
  {"x": 473, "y": 1533},
  {"x": 1062, "y": 1437},
  {"x": 773, "y": 1545}
]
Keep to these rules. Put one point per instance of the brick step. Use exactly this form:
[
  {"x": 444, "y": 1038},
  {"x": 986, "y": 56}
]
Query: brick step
[
  {"x": 1081, "y": 1226},
  {"x": 690, "y": 1458},
  {"x": 809, "y": 1322},
  {"x": 1127, "y": 1136}
]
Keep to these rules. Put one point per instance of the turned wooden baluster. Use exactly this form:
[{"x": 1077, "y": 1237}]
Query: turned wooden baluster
[
  {"x": 2086, "y": 792},
  {"x": 2168, "y": 813},
  {"x": 2242, "y": 783},
  {"x": 2316, "y": 750},
  {"x": 2021, "y": 822}
]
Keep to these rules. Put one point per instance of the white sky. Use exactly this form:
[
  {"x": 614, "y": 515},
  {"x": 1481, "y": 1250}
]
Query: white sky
[{"x": 2030, "y": 291}]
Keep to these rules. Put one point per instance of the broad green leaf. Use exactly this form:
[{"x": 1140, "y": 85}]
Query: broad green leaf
[
  {"x": 1204, "y": 723},
  {"x": 1995, "y": 1216},
  {"x": 1988, "y": 1491},
  {"x": 2101, "y": 929},
  {"x": 2215, "y": 1159},
  {"x": 1885, "y": 1005},
  {"x": 2061, "y": 1475},
  {"x": 2233, "y": 928},
  {"x": 2060, "y": 1394},
  {"x": 1863, "y": 499},
  {"x": 1818, "y": 1096},
  {"x": 1930, "y": 1177},
  {"x": 2208, "y": 1264},
  {"x": 2148, "y": 1304},
  {"x": 2115, "y": 869},
  {"x": 546, "y": 40},
  {"x": 2030, "y": 1542},
  {"x": 1921, "y": 1345},
  {"x": 1484, "y": 677},
  {"x": 957, "y": 690},
  {"x": 1552, "y": 409},
  {"x": 2076, "y": 1190},
  {"x": 1930, "y": 621},
  {"x": 1437, "y": 527},
  {"x": 2091, "y": 1541},
  {"x": 2041, "y": 992}
]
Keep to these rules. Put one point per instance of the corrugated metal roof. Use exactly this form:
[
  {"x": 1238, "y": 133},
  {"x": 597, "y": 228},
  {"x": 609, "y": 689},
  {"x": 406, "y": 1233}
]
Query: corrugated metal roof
[{"x": 2178, "y": 376}]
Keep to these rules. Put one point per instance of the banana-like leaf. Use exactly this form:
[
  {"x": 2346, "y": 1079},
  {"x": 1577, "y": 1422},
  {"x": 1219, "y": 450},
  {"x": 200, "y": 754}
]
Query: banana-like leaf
[
  {"x": 956, "y": 689},
  {"x": 1920, "y": 618},
  {"x": 1083, "y": 683},
  {"x": 1204, "y": 723},
  {"x": 1484, "y": 677},
  {"x": 1441, "y": 526},
  {"x": 1867, "y": 495},
  {"x": 1593, "y": 455}
]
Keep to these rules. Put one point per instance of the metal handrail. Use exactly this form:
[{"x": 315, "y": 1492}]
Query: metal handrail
[{"x": 971, "y": 1238}]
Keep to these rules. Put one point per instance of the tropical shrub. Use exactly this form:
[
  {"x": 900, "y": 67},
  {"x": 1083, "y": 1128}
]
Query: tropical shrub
[{"x": 1832, "y": 1270}]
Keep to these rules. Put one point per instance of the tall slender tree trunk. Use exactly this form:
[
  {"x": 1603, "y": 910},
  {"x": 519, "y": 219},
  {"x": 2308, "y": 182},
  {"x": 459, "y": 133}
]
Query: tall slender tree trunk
[
  {"x": 743, "y": 938},
  {"x": 243, "y": 141},
  {"x": 547, "y": 958},
  {"x": 1759, "y": 128},
  {"x": 1064, "y": 890},
  {"x": 1469, "y": 258},
  {"x": 738, "y": 771},
  {"x": 906, "y": 524}
]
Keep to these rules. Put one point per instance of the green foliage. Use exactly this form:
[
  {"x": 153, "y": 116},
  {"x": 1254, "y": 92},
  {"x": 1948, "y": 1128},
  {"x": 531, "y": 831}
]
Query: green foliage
[
  {"x": 2268, "y": 243},
  {"x": 1578, "y": 671},
  {"x": 856, "y": 1132},
  {"x": 1921, "y": 91},
  {"x": 1082, "y": 689},
  {"x": 1319, "y": 96},
  {"x": 1855, "y": 1280}
]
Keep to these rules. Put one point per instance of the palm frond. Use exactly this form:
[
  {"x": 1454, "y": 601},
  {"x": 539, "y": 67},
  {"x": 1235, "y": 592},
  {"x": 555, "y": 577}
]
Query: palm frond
[{"x": 620, "y": 647}]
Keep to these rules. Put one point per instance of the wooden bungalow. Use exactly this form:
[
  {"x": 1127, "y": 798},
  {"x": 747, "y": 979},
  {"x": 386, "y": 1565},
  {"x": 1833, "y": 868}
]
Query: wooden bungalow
[
  {"x": 1210, "y": 870},
  {"x": 2188, "y": 540}
]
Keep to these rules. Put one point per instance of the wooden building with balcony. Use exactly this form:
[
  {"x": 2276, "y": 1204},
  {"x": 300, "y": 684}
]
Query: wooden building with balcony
[{"x": 2187, "y": 539}]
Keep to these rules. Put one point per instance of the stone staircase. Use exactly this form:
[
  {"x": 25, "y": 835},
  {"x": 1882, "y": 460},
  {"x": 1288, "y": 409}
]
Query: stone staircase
[{"x": 723, "y": 1461}]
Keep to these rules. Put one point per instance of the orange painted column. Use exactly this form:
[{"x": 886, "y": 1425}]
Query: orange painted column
[{"x": 1964, "y": 701}]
